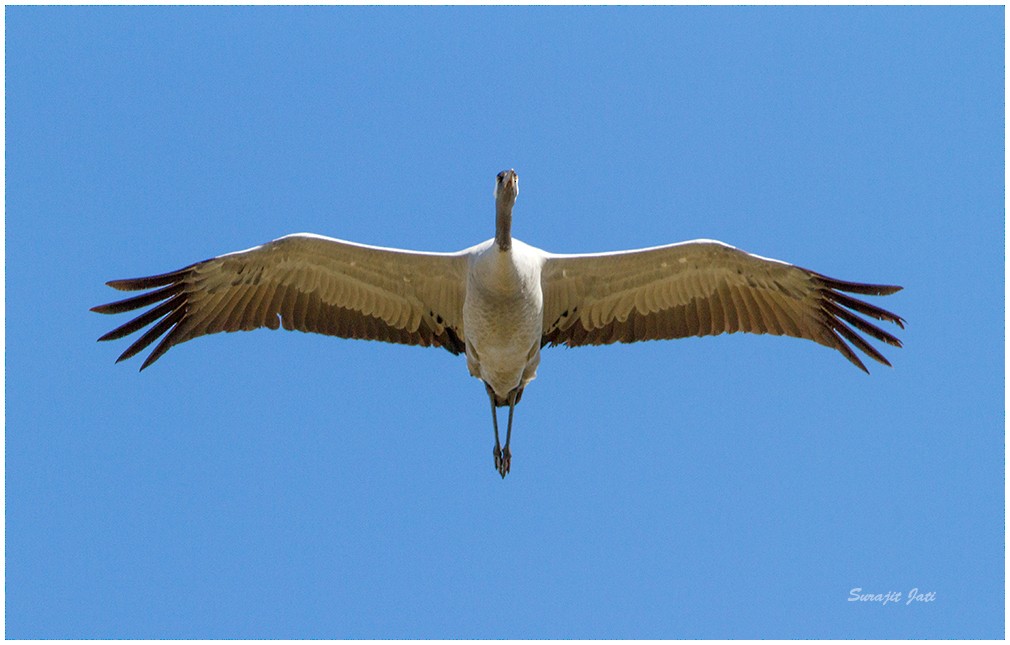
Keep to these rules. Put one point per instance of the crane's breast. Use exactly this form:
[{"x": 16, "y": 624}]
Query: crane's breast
[{"x": 503, "y": 319}]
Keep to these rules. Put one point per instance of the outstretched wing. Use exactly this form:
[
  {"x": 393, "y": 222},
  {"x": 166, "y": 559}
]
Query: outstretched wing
[
  {"x": 704, "y": 288},
  {"x": 305, "y": 282}
]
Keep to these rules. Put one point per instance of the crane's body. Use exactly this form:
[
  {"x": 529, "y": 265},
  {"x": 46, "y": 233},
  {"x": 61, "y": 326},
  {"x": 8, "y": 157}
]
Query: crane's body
[
  {"x": 499, "y": 302},
  {"x": 503, "y": 316}
]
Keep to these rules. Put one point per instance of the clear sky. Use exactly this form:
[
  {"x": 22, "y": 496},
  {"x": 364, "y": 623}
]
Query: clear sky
[{"x": 277, "y": 484}]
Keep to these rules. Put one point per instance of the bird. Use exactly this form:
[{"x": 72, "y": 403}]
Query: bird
[{"x": 500, "y": 302}]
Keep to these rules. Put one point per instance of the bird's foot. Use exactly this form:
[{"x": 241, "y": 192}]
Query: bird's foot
[{"x": 502, "y": 460}]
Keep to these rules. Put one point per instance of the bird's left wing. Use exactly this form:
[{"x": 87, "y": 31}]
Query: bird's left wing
[
  {"x": 703, "y": 288},
  {"x": 306, "y": 282}
]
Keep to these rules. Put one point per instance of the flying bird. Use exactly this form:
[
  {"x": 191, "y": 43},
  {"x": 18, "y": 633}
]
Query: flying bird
[{"x": 499, "y": 302}]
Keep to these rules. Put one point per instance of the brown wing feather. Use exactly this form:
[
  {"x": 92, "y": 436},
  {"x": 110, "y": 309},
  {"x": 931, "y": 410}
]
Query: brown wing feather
[
  {"x": 243, "y": 296},
  {"x": 777, "y": 299}
]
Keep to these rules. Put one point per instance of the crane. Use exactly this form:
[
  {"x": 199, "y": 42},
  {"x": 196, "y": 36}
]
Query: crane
[{"x": 499, "y": 302}]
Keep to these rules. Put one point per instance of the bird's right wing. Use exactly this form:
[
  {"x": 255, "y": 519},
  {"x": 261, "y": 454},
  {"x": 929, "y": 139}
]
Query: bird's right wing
[
  {"x": 703, "y": 288},
  {"x": 306, "y": 282}
]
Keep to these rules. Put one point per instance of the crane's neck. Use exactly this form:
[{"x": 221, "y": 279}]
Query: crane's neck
[{"x": 503, "y": 226}]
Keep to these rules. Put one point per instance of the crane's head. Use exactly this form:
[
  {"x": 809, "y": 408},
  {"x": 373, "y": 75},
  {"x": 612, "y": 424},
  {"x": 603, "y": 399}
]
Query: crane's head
[{"x": 506, "y": 188}]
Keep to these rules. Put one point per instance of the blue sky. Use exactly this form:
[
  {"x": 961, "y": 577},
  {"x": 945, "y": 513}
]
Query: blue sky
[{"x": 272, "y": 484}]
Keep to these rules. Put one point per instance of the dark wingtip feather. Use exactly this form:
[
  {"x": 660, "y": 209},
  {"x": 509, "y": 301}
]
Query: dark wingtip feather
[
  {"x": 138, "y": 302},
  {"x": 862, "y": 325},
  {"x": 839, "y": 309},
  {"x": 858, "y": 287},
  {"x": 166, "y": 343},
  {"x": 150, "y": 282},
  {"x": 145, "y": 318},
  {"x": 169, "y": 300},
  {"x": 864, "y": 308},
  {"x": 859, "y": 342},
  {"x": 846, "y": 351},
  {"x": 153, "y": 333},
  {"x": 139, "y": 284}
]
